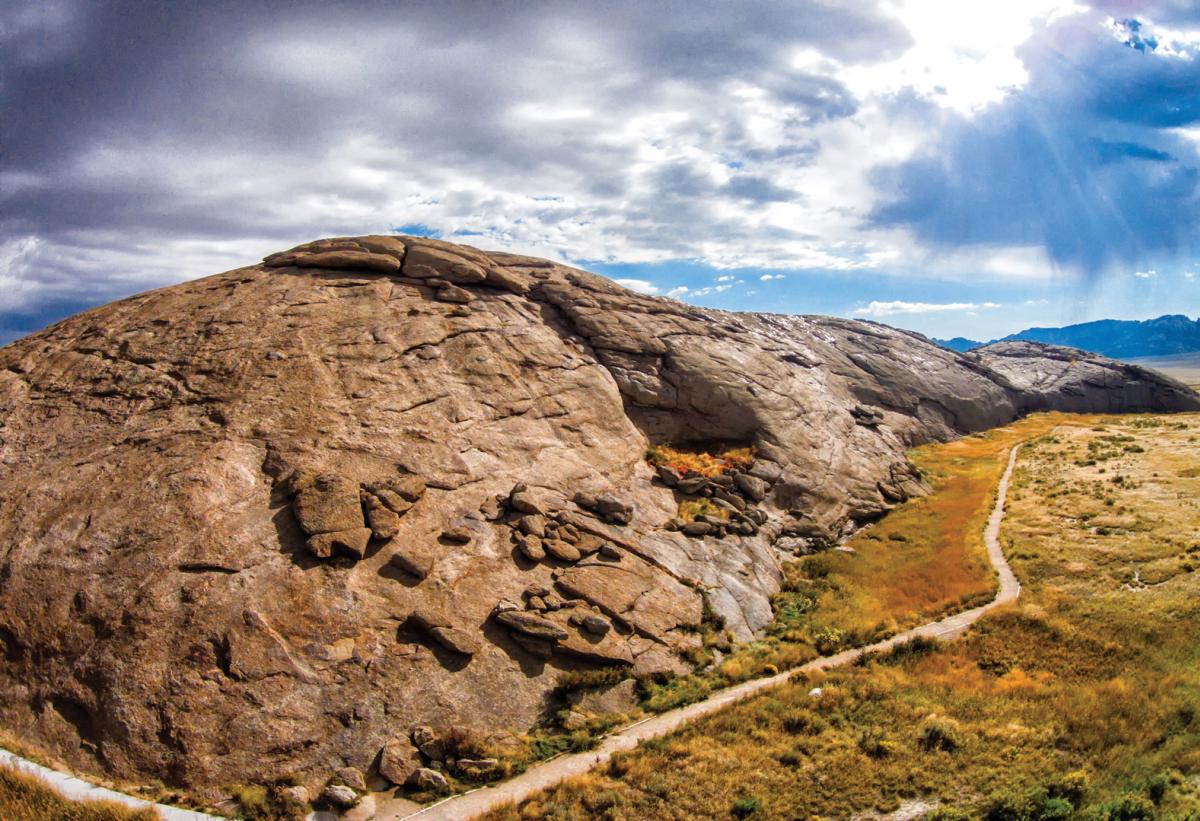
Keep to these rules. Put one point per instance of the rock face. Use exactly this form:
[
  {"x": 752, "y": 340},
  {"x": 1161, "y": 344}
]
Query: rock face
[{"x": 255, "y": 523}]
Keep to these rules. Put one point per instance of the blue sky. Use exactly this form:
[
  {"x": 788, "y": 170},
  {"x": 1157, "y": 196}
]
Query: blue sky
[{"x": 955, "y": 168}]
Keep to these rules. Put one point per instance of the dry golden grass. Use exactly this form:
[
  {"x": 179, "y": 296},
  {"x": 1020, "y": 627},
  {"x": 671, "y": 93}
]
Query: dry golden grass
[
  {"x": 927, "y": 556},
  {"x": 25, "y": 797},
  {"x": 1080, "y": 701},
  {"x": 697, "y": 460}
]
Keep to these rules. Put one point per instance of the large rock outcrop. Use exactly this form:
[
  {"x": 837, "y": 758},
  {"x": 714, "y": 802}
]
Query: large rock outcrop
[{"x": 265, "y": 522}]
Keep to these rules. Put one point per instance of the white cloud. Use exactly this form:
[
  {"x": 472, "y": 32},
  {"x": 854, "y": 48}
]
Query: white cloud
[
  {"x": 1190, "y": 275},
  {"x": 769, "y": 277},
  {"x": 882, "y": 309},
  {"x": 678, "y": 291},
  {"x": 642, "y": 286},
  {"x": 726, "y": 278},
  {"x": 964, "y": 56},
  {"x": 1151, "y": 274}
]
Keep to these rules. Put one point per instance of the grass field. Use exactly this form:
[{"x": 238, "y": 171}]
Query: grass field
[
  {"x": 1184, "y": 367},
  {"x": 24, "y": 797},
  {"x": 1080, "y": 701}
]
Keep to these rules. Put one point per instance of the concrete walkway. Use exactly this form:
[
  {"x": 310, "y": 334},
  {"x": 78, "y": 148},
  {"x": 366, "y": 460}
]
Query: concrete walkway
[
  {"x": 79, "y": 790},
  {"x": 550, "y": 773}
]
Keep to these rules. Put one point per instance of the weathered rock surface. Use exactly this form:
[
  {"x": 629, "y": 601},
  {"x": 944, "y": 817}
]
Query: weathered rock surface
[{"x": 198, "y": 583}]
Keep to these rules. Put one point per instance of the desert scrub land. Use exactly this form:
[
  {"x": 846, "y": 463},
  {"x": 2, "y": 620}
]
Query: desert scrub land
[
  {"x": 1080, "y": 701},
  {"x": 28, "y": 798}
]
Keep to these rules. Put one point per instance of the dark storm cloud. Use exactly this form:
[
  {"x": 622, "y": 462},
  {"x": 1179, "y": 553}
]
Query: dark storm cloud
[
  {"x": 1084, "y": 162},
  {"x": 170, "y": 135}
]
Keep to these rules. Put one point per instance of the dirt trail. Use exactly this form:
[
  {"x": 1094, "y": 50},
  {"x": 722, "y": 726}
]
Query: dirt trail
[{"x": 549, "y": 773}]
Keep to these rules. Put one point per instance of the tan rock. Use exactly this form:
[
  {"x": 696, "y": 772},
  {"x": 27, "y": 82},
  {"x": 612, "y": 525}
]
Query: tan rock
[
  {"x": 398, "y": 760},
  {"x": 330, "y": 503},
  {"x": 352, "y": 543},
  {"x": 352, "y": 260}
]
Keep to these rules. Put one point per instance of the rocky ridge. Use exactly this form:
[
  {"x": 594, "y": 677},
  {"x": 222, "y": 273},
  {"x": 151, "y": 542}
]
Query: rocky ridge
[{"x": 290, "y": 517}]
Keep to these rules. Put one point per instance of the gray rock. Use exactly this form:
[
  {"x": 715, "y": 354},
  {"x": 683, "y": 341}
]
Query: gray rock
[
  {"x": 352, "y": 777},
  {"x": 427, "y": 780},
  {"x": 697, "y": 528},
  {"x": 339, "y": 795},
  {"x": 751, "y": 486},
  {"x": 597, "y": 625},
  {"x": 612, "y": 509}
]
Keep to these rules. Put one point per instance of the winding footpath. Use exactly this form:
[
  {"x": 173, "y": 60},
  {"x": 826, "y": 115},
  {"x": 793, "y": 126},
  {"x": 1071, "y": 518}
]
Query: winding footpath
[{"x": 550, "y": 773}]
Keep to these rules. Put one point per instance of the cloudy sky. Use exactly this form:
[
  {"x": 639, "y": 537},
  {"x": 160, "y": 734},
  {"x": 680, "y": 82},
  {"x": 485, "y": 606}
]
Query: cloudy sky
[{"x": 958, "y": 167}]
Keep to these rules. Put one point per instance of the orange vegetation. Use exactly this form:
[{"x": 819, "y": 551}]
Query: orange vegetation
[{"x": 700, "y": 461}]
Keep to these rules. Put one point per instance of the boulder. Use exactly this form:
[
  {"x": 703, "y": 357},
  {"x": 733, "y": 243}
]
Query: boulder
[
  {"x": 612, "y": 509},
  {"x": 457, "y": 535},
  {"x": 352, "y": 777},
  {"x": 398, "y": 760},
  {"x": 454, "y": 294},
  {"x": 597, "y": 625},
  {"x": 350, "y": 260},
  {"x": 618, "y": 698},
  {"x": 753, "y": 487},
  {"x": 531, "y": 625},
  {"x": 352, "y": 543},
  {"x": 531, "y": 547},
  {"x": 426, "y": 780},
  {"x": 413, "y": 561},
  {"x": 339, "y": 795},
  {"x": 456, "y": 639},
  {"x": 330, "y": 503},
  {"x": 534, "y": 525},
  {"x": 561, "y": 550},
  {"x": 296, "y": 794},
  {"x": 383, "y": 521},
  {"x": 476, "y": 767}
]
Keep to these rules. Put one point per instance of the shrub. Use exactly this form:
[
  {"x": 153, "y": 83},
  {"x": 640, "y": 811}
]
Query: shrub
[
  {"x": 1073, "y": 786},
  {"x": 1158, "y": 786},
  {"x": 1127, "y": 808},
  {"x": 940, "y": 734},
  {"x": 745, "y": 806},
  {"x": 829, "y": 640}
]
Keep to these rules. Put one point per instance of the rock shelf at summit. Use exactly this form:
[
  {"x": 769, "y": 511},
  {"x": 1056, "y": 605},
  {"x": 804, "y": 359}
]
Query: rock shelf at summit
[{"x": 288, "y": 518}]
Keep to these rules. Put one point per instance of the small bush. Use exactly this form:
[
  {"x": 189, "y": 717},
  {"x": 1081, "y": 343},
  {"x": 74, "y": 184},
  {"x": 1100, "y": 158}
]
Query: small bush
[
  {"x": 745, "y": 806},
  {"x": 940, "y": 734},
  {"x": 1073, "y": 786},
  {"x": 1158, "y": 786},
  {"x": 1127, "y": 808}
]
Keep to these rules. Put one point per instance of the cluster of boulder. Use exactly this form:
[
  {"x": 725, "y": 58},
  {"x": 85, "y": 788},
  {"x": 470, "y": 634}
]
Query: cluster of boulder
[
  {"x": 340, "y": 516},
  {"x": 421, "y": 759},
  {"x": 539, "y": 531},
  {"x": 735, "y": 494}
]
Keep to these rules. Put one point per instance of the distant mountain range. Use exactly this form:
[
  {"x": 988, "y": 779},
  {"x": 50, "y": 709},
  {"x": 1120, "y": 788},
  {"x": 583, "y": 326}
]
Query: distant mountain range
[{"x": 1118, "y": 338}]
